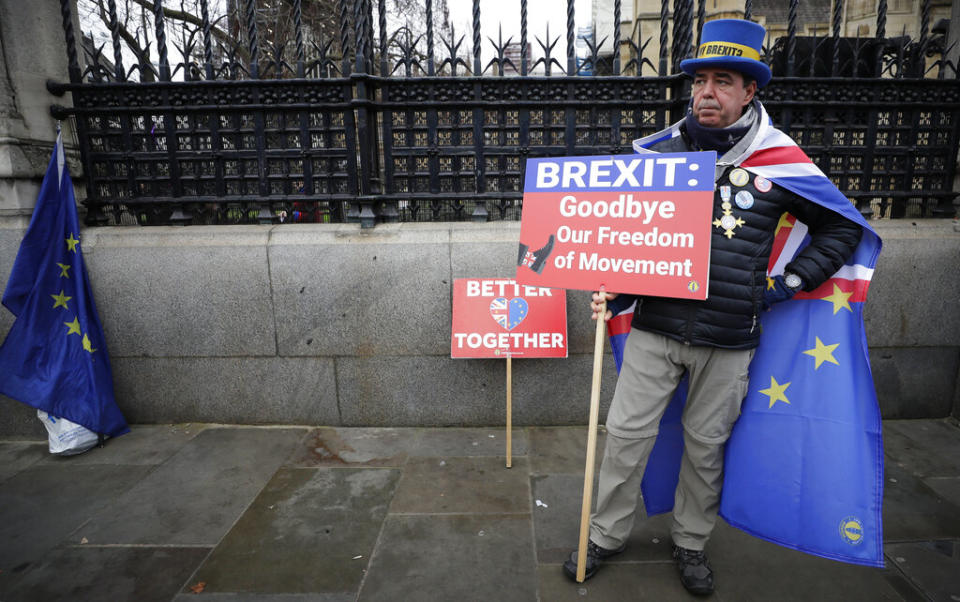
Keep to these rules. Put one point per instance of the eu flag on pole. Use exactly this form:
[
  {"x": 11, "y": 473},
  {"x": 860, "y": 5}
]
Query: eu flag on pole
[{"x": 55, "y": 357}]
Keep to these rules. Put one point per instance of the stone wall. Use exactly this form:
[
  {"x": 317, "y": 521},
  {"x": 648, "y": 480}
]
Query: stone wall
[{"x": 334, "y": 325}]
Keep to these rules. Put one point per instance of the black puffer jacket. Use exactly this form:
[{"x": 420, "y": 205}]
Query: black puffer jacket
[{"x": 729, "y": 316}]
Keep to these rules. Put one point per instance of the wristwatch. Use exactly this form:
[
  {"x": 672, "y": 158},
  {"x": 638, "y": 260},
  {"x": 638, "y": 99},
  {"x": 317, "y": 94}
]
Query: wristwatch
[{"x": 792, "y": 281}]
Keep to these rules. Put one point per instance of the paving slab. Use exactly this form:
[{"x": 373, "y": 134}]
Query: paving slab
[
  {"x": 800, "y": 582},
  {"x": 309, "y": 531},
  {"x": 948, "y": 488},
  {"x": 914, "y": 511},
  {"x": 17, "y": 455},
  {"x": 353, "y": 446},
  {"x": 927, "y": 448},
  {"x": 358, "y": 446},
  {"x": 453, "y": 557},
  {"x": 557, "y": 522},
  {"x": 655, "y": 581},
  {"x": 457, "y": 484},
  {"x": 95, "y": 573},
  {"x": 749, "y": 568},
  {"x": 196, "y": 496},
  {"x": 934, "y": 566},
  {"x": 557, "y": 525},
  {"x": 145, "y": 445},
  {"x": 562, "y": 450},
  {"x": 473, "y": 442},
  {"x": 41, "y": 505}
]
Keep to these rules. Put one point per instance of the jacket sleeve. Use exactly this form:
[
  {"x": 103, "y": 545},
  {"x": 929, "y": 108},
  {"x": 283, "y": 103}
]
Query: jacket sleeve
[
  {"x": 833, "y": 239},
  {"x": 621, "y": 302}
]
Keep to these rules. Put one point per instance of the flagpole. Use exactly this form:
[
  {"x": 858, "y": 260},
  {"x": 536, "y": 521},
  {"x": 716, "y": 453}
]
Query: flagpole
[
  {"x": 509, "y": 412},
  {"x": 591, "y": 444}
]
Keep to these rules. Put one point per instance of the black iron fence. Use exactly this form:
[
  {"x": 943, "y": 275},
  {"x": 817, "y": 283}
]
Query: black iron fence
[{"x": 393, "y": 126}]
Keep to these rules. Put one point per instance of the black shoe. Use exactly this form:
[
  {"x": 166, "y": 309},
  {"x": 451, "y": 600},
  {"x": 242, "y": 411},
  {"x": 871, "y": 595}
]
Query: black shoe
[
  {"x": 695, "y": 572},
  {"x": 595, "y": 556}
]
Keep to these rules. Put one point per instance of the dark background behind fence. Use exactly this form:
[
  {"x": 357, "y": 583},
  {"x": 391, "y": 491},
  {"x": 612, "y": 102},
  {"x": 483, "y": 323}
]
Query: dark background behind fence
[{"x": 393, "y": 126}]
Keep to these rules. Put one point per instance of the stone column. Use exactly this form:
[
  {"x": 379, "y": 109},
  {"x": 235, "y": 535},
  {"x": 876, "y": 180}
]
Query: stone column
[
  {"x": 953, "y": 38},
  {"x": 32, "y": 50},
  {"x": 953, "y": 56}
]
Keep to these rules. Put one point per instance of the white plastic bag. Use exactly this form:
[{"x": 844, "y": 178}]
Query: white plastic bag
[{"x": 66, "y": 438}]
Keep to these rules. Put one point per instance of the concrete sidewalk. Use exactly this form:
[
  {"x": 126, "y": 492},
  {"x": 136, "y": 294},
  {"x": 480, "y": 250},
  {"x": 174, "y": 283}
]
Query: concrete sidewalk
[{"x": 337, "y": 514}]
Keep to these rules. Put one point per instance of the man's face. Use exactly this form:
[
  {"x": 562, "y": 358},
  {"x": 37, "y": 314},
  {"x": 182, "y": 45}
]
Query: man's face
[{"x": 719, "y": 97}]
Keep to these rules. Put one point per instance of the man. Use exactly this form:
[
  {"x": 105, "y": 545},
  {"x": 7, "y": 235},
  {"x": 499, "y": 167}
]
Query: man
[{"x": 711, "y": 341}]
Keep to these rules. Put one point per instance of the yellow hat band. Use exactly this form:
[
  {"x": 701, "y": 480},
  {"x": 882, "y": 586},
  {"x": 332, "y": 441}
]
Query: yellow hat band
[{"x": 714, "y": 49}]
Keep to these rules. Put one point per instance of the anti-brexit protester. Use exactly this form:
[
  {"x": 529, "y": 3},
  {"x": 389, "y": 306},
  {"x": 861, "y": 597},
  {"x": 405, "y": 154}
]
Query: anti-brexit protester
[{"x": 710, "y": 342}]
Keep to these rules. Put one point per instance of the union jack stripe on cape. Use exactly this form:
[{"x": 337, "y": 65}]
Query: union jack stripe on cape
[{"x": 804, "y": 464}]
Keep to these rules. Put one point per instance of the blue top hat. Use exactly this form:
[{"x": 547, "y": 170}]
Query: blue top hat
[{"x": 733, "y": 44}]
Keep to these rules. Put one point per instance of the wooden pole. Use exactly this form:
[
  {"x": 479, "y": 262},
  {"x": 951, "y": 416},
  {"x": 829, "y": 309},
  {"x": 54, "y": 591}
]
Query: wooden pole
[
  {"x": 509, "y": 413},
  {"x": 591, "y": 445}
]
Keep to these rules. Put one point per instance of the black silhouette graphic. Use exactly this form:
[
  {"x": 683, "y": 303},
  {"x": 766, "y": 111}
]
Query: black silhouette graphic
[{"x": 535, "y": 260}]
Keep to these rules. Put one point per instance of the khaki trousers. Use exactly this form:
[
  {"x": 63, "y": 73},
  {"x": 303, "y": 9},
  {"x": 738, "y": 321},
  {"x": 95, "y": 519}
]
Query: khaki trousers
[{"x": 652, "y": 368}]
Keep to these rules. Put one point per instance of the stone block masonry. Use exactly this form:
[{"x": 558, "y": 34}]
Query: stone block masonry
[{"x": 329, "y": 324}]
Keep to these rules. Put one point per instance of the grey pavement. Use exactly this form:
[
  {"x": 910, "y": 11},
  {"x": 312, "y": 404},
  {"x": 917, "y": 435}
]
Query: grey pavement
[{"x": 239, "y": 513}]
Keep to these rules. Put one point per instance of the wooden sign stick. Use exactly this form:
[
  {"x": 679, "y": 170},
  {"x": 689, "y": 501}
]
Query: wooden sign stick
[
  {"x": 591, "y": 445},
  {"x": 509, "y": 413}
]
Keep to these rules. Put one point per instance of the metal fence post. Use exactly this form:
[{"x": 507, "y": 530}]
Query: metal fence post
[
  {"x": 480, "y": 213},
  {"x": 365, "y": 150}
]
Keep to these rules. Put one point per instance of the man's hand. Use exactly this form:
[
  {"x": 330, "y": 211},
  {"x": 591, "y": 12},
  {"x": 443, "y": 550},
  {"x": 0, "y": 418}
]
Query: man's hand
[
  {"x": 598, "y": 298},
  {"x": 777, "y": 290}
]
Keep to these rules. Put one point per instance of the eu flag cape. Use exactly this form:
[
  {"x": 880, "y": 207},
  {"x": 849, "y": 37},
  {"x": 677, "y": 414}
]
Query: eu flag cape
[
  {"x": 804, "y": 464},
  {"x": 54, "y": 357}
]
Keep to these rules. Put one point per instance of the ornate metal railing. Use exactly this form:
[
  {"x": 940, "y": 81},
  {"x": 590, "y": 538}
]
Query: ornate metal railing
[{"x": 381, "y": 128}]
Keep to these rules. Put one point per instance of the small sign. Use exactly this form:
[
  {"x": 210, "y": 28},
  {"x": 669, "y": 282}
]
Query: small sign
[
  {"x": 630, "y": 223},
  {"x": 493, "y": 317}
]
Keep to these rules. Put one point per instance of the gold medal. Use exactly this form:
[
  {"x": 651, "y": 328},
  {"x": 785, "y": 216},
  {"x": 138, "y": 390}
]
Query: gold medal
[{"x": 728, "y": 221}]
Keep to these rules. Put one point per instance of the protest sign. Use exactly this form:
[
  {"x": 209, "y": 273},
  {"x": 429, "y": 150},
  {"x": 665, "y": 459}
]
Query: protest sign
[
  {"x": 494, "y": 317},
  {"x": 629, "y": 223},
  {"x": 498, "y": 318}
]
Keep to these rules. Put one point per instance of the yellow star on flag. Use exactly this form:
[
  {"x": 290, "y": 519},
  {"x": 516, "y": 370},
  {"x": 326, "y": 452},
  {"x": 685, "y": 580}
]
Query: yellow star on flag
[
  {"x": 72, "y": 243},
  {"x": 770, "y": 283},
  {"x": 839, "y": 299},
  {"x": 86, "y": 344},
  {"x": 776, "y": 392},
  {"x": 61, "y": 300},
  {"x": 783, "y": 223},
  {"x": 63, "y": 269},
  {"x": 823, "y": 353},
  {"x": 73, "y": 326}
]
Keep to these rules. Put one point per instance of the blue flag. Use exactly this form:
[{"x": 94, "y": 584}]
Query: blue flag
[
  {"x": 55, "y": 357},
  {"x": 804, "y": 463}
]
